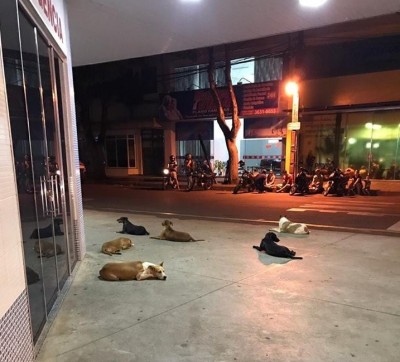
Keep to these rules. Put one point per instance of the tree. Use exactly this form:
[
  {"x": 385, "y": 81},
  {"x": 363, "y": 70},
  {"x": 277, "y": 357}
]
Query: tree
[{"x": 230, "y": 134}]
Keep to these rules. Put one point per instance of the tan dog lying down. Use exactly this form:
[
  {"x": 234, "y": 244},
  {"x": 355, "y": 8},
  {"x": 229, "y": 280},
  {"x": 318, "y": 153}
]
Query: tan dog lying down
[
  {"x": 115, "y": 246},
  {"x": 172, "y": 235},
  {"x": 286, "y": 226},
  {"x": 45, "y": 249},
  {"x": 132, "y": 270}
]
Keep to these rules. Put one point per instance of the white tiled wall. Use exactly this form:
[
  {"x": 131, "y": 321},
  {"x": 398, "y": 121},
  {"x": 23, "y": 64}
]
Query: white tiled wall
[{"x": 12, "y": 277}]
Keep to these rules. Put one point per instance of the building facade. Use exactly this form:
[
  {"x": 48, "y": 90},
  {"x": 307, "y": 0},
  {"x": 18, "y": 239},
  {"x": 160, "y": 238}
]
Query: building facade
[
  {"x": 348, "y": 76},
  {"x": 41, "y": 220}
]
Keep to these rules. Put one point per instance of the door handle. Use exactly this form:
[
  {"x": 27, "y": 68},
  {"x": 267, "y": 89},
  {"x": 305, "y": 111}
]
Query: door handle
[{"x": 50, "y": 194}]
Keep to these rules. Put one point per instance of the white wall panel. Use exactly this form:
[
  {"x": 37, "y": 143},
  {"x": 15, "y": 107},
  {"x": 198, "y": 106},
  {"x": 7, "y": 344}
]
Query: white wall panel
[{"x": 13, "y": 271}]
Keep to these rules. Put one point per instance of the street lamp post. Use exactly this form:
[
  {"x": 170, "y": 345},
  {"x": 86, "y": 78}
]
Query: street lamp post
[{"x": 291, "y": 164}]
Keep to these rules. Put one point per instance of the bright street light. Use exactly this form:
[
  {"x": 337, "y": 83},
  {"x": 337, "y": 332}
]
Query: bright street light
[{"x": 291, "y": 88}]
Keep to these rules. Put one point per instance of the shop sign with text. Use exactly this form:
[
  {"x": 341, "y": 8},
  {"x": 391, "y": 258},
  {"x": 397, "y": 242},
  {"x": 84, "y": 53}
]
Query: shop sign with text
[{"x": 254, "y": 99}]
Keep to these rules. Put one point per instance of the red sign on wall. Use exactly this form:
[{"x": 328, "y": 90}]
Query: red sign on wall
[{"x": 252, "y": 99}]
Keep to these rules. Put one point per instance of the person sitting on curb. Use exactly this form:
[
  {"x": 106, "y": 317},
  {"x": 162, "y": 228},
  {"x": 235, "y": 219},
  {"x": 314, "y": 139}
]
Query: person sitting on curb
[
  {"x": 317, "y": 183},
  {"x": 287, "y": 182},
  {"x": 260, "y": 181},
  {"x": 270, "y": 182}
]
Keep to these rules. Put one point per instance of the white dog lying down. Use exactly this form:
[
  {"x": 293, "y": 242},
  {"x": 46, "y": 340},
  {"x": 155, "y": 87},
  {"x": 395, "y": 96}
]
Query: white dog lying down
[{"x": 286, "y": 226}]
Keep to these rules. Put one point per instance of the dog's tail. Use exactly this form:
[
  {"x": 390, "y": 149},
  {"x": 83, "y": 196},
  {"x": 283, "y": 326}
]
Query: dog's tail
[
  {"x": 257, "y": 247},
  {"x": 296, "y": 257}
]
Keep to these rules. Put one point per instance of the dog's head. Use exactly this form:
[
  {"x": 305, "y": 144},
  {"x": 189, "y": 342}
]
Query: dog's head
[
  {"x": 167, "y": 223},
  {"x": 125, "y": 242},
  {"x": 122, "y": 219},
  {"x": 302, "y": 229},
  {"x": 158, "y": 271},
  {"x": 271, "y": 236}
]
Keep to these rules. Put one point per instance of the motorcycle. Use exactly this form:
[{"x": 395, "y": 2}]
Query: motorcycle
[
  {"x": 169, "y": 180},
  {"x": 202, "y": 178},
  {"x": 301, "y": 183},
  {"x": 337, "y": 184},
  {"x": 246, "y": 181}
]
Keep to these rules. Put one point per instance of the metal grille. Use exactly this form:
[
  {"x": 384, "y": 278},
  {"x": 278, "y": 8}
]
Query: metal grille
[
  {"x": 77, "y": 241},
  {"x": 16, "y": 342}
]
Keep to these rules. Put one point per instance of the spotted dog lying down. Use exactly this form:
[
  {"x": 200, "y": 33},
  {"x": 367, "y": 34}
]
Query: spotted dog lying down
[
  {"x": 133, "y": 270},
  {"x": 286, "y": 226}
]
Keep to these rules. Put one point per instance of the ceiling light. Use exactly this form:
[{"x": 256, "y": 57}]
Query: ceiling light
[{"x": 312, "y": 3}]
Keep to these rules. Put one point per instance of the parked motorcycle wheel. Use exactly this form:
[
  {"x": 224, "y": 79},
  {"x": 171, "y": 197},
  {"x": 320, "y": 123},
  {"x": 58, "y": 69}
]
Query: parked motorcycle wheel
[
  {"x": 292, "y": 190},
  {"x": 170, "y": 183},
  {"x": 251, "y": 188},
  {"x": 208, "y": 184},
  {"x": 236, "y": 189},
  {"x": 174, "y": 183},
  {"x": 190, "y": 184}
]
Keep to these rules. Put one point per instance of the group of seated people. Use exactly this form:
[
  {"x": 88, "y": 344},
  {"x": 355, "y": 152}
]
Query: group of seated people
[
  {"x": 266, "y": 182},
  {"x": 357, "y": 183}
]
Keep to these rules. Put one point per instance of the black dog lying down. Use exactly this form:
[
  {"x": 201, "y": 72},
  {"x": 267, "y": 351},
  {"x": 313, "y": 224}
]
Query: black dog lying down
[
  {"x": 270, "y": 246},
  {"x": 129, "y": 228},
  {"x": 47, "y": 231},
  {"x": 31, "y": 276}
]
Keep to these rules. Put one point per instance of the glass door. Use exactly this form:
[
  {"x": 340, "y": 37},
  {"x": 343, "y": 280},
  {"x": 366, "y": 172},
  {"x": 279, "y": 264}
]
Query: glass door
[{"x": 33, "y": 78}]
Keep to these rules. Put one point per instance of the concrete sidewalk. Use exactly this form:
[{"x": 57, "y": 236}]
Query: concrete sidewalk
[{"x": 224, "y": 301}]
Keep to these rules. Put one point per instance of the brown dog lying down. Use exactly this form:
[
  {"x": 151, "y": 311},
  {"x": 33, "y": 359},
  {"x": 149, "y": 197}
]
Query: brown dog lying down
[
  {"x": 132, "y": 270},
  {"x": 173, "y": 235},
  {"x": 45, "y": 249},
  {"x": 115, "y": 246}
]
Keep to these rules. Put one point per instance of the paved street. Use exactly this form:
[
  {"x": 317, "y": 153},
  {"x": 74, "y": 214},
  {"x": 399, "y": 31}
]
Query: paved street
[{"x": 362, "y": 213}]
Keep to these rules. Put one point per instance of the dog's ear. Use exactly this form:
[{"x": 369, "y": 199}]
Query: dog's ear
[
  {"x": 162, "y": 263},
  {"x": 275, "y": 237}
]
